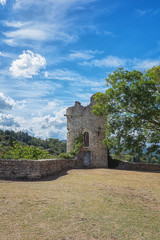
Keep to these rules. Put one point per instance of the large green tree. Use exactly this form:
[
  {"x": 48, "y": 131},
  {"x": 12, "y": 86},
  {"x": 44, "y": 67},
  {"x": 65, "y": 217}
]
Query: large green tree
[{"x": 131, "y": 104}]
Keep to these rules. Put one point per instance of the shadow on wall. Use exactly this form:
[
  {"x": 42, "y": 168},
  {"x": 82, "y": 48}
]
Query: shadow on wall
[
  {"x": 34, "y": 170},
  {"x": 42, "y": 179},
  {"x": 143, "y": 167}
]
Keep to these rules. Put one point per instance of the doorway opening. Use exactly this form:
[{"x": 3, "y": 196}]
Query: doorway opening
[{"x": 86, "y": 158}]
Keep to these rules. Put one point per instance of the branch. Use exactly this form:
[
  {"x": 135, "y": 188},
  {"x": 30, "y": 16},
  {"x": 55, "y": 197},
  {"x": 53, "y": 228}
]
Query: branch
[{"x": 154, "y": 122}]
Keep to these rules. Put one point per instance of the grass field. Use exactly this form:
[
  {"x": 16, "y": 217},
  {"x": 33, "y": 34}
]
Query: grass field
[{"x": 82, "y": 204}]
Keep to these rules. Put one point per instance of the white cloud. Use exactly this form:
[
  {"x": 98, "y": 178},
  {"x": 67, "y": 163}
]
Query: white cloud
[
  {"x": 7, "y": 120},
  {"x": 63, "y": 4},
  {"x": 63, "y": 74},
  {"x": 28, "y": 34},
  {"x": 52, "y": 105},
  {"x": 108, "y": 33},
  {"x": 51, "y": 20},
  {"x": 144, "y": 64},
  {"x": 52, "y": 124},
  {"x": 6, "y": 103},
  {"x": 47, "y": 120},
  {"x": 27, "y": 65},
  {"x": 23, "y": 3},
  {"x": 80, "y": 81},
  {"x": 84, "y": 96},
  {"x": 57, "y": 122},
  {"x": 100, "y": 89},
  {"x": 2, "y": 54},
  {"x": 3, "y": 2},
  {"x": 5, "y": 54},
  {"x": 85, "y": 55},
  {"x": 41, "y": 119},
  {"x": 90, "y": 83},
  {"x": 142, "y": 12},
  {"x": 113, "y": 61},
  {"x": 15, "y": 24},
  {"x": 109, "y": 61},
  {"x": 10, "y": 42},
  {"x": 36, "y": 31}
]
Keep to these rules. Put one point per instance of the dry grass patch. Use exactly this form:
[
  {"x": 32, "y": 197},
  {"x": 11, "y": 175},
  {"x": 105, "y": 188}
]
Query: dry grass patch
[{"x": 84, "y": 204}]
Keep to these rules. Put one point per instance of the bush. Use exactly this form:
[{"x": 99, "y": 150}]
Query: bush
[
  {"x": 19, "y": 151},
  {"x": 78, "y": 143},
  {"x": 66, "y": 155}
]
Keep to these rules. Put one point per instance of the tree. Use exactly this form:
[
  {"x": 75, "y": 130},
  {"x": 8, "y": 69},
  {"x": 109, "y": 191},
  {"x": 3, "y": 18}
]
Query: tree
[{"x": 132, "y": 106}]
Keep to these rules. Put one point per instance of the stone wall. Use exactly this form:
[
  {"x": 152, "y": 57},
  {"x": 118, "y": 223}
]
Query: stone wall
[
  {"x": 139, "y": 166},
  {"x": 33, "y": 169}
]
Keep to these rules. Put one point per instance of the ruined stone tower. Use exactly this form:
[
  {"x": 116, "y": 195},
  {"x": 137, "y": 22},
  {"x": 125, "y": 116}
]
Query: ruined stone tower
[{"x": 81, "y": 120}]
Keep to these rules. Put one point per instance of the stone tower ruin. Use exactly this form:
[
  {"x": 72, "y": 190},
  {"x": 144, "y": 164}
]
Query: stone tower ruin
[{"x": 81, "y": 120}]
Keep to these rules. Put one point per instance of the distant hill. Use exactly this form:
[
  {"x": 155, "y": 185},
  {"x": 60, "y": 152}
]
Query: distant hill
[{"x": 9, "y": 138}]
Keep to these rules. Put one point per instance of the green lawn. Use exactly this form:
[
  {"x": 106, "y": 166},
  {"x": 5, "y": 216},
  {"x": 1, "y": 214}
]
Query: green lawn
[{"x": 84, "y": 205}]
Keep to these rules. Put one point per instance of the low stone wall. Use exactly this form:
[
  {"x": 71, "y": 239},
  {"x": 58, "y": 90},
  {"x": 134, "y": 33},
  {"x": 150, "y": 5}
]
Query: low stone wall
[
  {"x": 33, "y": 169},
  {"x": 139, "y": 166}
]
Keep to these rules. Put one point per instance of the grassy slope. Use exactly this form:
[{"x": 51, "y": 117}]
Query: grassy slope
[{"x": 84, "y": 204}]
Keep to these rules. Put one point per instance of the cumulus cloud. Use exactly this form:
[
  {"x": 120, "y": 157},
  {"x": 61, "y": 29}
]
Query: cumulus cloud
[
  {"x": 57, "y": 122},
  {"x": 7, "y": 120},
  {"x": 51, "y": 125},
  {"x": 54, "y": 104},
  {"x": 6, "y": 103},
  {"x": 27, "y": 65},
  {"x": 3, "y": 2},
  {"x": 45, "y": 119}
]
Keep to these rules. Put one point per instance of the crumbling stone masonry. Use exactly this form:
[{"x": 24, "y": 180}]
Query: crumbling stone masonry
[
  {"x": 33, "y": 169},
  {"x": 81, "y": 120}
]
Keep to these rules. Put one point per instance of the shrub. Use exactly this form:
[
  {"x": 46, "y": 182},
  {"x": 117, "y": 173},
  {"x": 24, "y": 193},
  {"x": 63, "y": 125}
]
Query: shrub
[
  {"x": 78, "y": 143},
  {"x": 19, "y": 151}
]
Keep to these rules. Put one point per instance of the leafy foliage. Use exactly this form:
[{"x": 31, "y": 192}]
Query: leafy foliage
[
  {"x": 132, "y": 106},
  {"x": 78, "y": 143},
  {"x": 19, "y": 151},
  {"x": 146, "y": 158},
  {"x": 14, "y": 144}
]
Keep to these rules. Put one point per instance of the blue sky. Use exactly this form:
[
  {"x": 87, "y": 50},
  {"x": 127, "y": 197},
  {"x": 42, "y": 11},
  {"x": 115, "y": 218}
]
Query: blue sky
[{"x": 56, "y": 52}]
